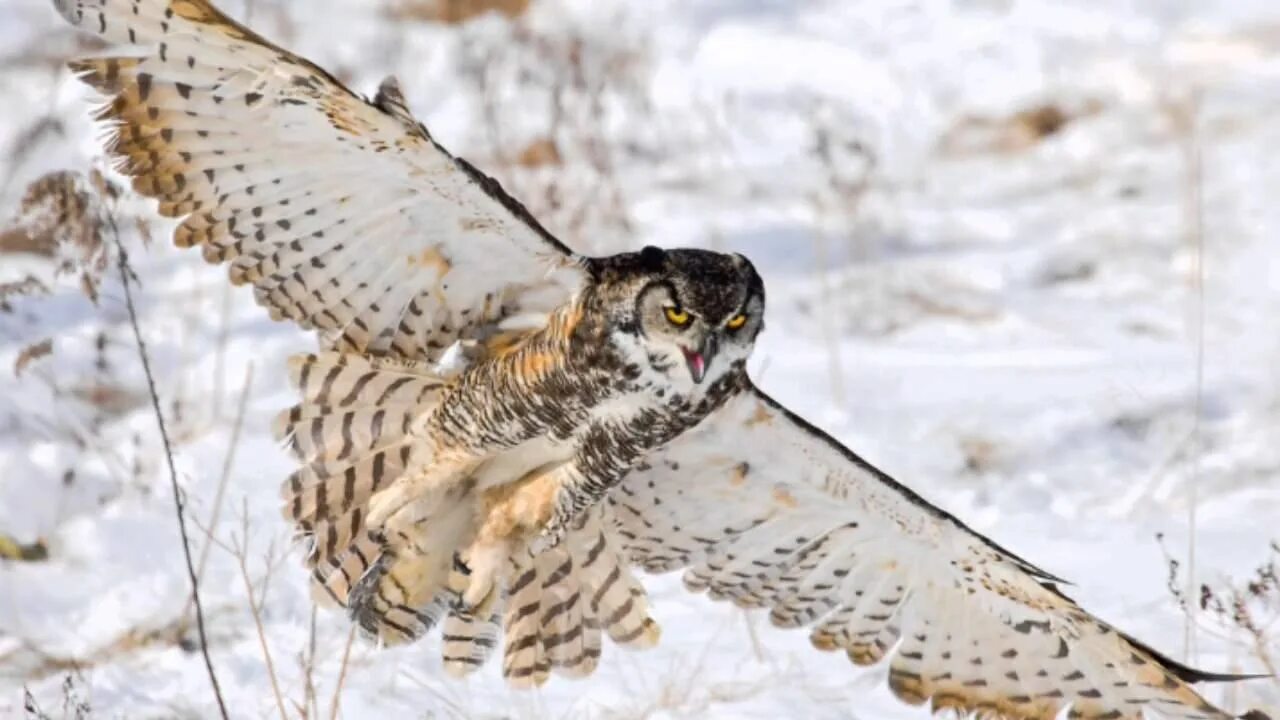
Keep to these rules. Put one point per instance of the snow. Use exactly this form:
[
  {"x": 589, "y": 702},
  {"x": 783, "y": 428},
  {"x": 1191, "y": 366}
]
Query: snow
[{"x": 1009, "y": 326}]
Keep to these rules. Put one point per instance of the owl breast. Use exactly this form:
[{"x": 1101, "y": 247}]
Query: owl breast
[{"x": 570, "y": 394}]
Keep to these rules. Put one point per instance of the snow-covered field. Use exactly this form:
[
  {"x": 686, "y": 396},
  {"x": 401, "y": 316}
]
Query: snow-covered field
[{"x": 981, "y": 225}]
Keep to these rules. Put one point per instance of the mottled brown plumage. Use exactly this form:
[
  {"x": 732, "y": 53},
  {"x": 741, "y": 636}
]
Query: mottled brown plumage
[{"x": 499, "y": 432}]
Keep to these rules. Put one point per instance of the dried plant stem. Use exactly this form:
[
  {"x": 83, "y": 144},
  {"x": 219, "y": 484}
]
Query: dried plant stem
[
  {"x": 312, "y": 705},
  {"x": 830, "y": 334},
  {"x": 125, "y": 274},
  {"x": 336, "y": 703},
  {"x": 220, "y": 493},
  {"x": 757, "y": 647},
  {"x": 255, "y": 609},
  {"x": 1185, "y": 117},
  {"x": 220, "y": 350}
]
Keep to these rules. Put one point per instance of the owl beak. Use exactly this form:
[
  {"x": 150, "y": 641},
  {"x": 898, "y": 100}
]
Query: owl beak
[{"x": 699, "y": 359}]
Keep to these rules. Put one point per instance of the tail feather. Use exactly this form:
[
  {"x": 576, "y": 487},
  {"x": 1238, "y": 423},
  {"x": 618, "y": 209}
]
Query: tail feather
[
  {"x": 331, "y": 536},
  {"x": 618, "y": 600},
  {"x": 332, "y": 580},
  {"x": 468, "y": 642},
  {"x": 564, "y": 614},
  {"x": 561, "y": 601},
  {"x": 524, "y": 660},
  {"x": 388, "y": 604}
]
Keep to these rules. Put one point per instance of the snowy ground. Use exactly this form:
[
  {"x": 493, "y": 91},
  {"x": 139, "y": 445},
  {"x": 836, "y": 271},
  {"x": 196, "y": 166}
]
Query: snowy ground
[{"x": 999, "y": 308}]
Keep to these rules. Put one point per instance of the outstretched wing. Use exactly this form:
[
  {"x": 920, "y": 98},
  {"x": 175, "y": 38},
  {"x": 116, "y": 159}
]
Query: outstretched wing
[
  {"x": 345, "y": 215},
  {"x": 767, "y": 511}
]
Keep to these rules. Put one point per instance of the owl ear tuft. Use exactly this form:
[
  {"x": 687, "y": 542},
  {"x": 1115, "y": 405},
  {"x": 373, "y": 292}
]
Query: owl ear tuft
[{"x": 652, "y": 258}]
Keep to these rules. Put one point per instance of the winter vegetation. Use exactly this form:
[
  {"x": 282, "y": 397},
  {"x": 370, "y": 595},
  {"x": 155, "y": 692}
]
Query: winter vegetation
[{"x": 1024, "y": 255}]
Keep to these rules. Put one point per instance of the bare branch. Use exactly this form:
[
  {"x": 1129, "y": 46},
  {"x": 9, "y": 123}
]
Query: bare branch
[
  {"x": 255, "y": 609},
  {"x": 336, "y": 703},
  {"x": 227, "y": 461},
  {"x": 125, "y": 275}
]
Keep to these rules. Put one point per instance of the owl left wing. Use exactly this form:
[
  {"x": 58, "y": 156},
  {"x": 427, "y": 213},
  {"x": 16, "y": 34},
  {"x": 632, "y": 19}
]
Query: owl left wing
[
  {"x": 764, "y": 509},
  {"x": 344, "y": 214}
]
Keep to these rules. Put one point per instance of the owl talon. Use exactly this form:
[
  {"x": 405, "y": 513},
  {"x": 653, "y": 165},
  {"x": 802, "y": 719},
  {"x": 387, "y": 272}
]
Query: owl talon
[
  {"x": 547, "y": 539},
  {"x": 478, "y": 592},
  {"x": 475, "y": 575},
  {"x": 468, "y": 604}
]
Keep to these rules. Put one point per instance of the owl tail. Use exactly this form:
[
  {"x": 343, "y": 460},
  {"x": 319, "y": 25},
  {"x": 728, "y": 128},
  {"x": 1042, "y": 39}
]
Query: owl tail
[
  {"x": 351, "y": 431},
  {"x": 557, "y": 606}
]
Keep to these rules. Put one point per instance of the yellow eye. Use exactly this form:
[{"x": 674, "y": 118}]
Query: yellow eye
[
  {"x": 736, "y": 321},
  {"x": 677, "y": 317}
]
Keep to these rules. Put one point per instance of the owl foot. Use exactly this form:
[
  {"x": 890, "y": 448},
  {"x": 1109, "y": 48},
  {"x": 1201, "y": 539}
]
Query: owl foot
[
  {"x": 547, "y": 539},
  {"x": 474, "y": 578}
]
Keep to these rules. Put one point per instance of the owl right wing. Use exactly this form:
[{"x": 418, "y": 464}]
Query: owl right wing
[
  {"x": 345, "y": 215},
  {"x": 761, "y": 508}
]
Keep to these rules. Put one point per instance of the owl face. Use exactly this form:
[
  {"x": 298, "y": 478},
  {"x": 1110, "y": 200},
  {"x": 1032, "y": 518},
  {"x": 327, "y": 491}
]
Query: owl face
[{"x": 693, "y": 313}]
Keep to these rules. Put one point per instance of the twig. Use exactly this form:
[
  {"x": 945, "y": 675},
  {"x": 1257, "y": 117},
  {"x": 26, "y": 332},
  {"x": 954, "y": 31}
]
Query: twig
[
  {"x": 125, "y": 274},
  {"x": 336, "y": 703},
  {"x": 835, "y": 364},
  {"x": 222, "y": 480},
  {"x": 241, "y": 552},
  {"x": 757, "y": 647},
  {"x": 220, "y": 351},
  {"x": 1185, "y": 115},
  {"x": 312, "y": 705}
]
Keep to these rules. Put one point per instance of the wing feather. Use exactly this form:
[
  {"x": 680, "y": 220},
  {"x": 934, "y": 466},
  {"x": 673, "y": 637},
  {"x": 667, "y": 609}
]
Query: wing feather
[
  {"x": 345, "y": 215},
  {"x": 763, "y": 509}
]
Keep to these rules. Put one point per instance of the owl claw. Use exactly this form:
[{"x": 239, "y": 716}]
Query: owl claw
[
  {"x": 482, "y": 608},
  {"x": 474, "y": 578},
  {"x": 477, "y": 599},
  {"x": 547, "y": 539}
]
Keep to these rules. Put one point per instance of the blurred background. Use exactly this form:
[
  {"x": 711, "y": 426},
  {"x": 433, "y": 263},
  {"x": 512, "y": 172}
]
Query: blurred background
[{"x": 1024, "y": 255}]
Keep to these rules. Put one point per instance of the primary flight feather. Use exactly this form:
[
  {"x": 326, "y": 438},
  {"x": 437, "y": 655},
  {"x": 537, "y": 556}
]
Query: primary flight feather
[{"x": 499, "y": 432}]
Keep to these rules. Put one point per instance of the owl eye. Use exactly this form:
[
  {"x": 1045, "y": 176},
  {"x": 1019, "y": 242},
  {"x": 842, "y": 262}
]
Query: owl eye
[
  {"x": 736, "y": 321},
  {"x": 677, "y": 317}
]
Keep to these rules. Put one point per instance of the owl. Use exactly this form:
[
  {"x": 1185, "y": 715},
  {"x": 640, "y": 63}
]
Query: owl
[{"x": 500, "y": 434}]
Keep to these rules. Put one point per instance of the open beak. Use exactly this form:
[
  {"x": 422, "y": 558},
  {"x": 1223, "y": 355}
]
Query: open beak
[{"x": 699, "y": 359}]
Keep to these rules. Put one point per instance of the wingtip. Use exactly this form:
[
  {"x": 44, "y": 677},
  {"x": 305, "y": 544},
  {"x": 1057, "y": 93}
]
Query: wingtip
[
  {"x": 80, "y": 66},
  {"x": 67, "y": 9},
  {"x": 1188, "y": 674}
]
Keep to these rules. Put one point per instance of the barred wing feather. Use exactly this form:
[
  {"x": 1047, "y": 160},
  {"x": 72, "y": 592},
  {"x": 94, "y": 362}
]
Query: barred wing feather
[
  {"x": 345, "y": 215},
  {"x": 760, "y": 508}
]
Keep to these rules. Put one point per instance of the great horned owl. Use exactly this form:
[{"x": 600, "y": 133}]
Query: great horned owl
[{"x": 500, "y": 432}]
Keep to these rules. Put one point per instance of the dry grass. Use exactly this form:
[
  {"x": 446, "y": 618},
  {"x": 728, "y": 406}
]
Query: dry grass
[
  {"x": 11, "y": 549},
  {"x": 30, "y": 354},
  {"x": 848, "y": 167},
  {"x": 589, "y": 94},
  {"x": 453, "y": 12},
  {"x": 64, "y": 215},
  {"x": 1244, "y": 613},
  {"x": 32, "y": 663},
  {"x": 335, "y": 703},
  {"x": 1016, "y": 132},
  {"x": 73, "y": 706}
]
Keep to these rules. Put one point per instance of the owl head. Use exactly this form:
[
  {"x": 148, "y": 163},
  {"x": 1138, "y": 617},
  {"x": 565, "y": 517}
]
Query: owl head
[{"x": 692, "y": 313}]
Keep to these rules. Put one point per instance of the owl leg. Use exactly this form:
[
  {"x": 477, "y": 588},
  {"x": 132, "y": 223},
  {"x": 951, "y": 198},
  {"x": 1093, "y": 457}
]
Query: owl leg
[
  {"x": 604, "y": 456},
  {"x": 512, "y": 515},
  {"x": 577, "y": 492}
]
